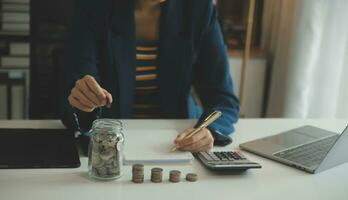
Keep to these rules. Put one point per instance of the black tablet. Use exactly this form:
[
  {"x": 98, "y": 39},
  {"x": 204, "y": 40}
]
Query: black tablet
[{"x": 37, "y": 148}]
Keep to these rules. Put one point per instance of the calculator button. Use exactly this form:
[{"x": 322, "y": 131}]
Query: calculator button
[
  {"x": 211, "y": 154},
  {"x": 235, "y": 156},
  {"x": 206, "y": 156},
  {"x": 240, "y": 156},
  {"x": 229, "y": 156},
  {"x": 225, "y": 160},
  {"x": 221, "y": 156},
  {"x": 217, "y": 154}
]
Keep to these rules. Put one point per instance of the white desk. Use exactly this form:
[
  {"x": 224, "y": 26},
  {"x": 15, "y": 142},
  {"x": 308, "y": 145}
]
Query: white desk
[{"x": 273, "y": 181}]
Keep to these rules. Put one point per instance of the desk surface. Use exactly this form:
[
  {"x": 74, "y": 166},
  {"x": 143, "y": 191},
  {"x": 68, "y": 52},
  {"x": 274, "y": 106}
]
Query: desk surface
[{"x": 273, "y": 181}]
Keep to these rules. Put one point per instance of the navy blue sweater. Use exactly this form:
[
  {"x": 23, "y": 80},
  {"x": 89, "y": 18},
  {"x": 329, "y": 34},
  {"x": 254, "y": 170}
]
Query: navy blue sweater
[{"x": 192, "y": 54}]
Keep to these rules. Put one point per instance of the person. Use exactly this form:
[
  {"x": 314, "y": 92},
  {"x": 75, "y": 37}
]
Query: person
[{"x": 147, "y": 59}]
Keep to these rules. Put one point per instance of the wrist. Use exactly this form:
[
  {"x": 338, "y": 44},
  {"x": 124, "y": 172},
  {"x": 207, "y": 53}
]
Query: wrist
[{"x": 219, "y": 138}]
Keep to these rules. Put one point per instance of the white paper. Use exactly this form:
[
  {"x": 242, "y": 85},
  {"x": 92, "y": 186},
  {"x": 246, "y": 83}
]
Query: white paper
[{"x": 153, "y": 146}]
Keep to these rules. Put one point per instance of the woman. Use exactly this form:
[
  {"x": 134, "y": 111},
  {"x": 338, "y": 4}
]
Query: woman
[{"x": 141, "y": 58}]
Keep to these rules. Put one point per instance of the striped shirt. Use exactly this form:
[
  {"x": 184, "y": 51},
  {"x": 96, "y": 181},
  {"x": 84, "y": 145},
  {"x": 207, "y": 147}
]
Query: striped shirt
[{"x": 146, "y": 100}]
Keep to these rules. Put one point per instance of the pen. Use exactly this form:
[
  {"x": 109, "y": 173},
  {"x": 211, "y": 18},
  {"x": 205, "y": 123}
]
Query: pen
[{"x": 206, "y": 122}]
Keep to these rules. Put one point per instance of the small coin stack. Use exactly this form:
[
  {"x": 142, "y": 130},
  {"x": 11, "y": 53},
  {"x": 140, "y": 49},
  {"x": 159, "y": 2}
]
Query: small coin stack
[
  {"x": 191, "y": 177},
  {"x": 156, "y": 175},
  {"x": 138, "y": 173},
  {"x": 174, "y": 176}
]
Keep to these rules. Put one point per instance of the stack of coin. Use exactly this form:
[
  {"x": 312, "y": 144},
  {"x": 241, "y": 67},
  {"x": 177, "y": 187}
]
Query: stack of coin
[
  {"x": 174, "y": 176},
  {"x": 191, "y": 177},
  {"x": 156, "y": 175},
  {"x": 138, "y": 173}
]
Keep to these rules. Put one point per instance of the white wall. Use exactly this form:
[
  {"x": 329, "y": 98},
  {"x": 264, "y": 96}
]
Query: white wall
[{"x": 255, "y": 84}]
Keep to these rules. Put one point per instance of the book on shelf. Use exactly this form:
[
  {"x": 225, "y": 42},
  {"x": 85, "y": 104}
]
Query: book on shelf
[
  {"x": 14, "y": 62},
  {"x": 14, "y": 48},
  {"x": 3, "y": 101},
  {"x": 17, "y": 92},
  {"x": 3, "y": 47},
  {"x": 15, "y": 17},
  {"x": 19, "y": 49},
  {"x": 15, "y": 27},
  {"x": 16, "y": 1},
  {"x": 14, "y": 7},
  {"x": 14, "y": 57},
  {"x": 18, "y": 98}
]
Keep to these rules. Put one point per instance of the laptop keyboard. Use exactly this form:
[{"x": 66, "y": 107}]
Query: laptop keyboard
[{"x": 310, "y": 154}]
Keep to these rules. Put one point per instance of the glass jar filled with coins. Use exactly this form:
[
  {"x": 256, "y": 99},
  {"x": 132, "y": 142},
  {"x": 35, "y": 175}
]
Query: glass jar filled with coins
[{"x": 105, "y": 153}]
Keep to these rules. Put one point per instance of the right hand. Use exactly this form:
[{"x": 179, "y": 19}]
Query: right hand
[{"x": 88, "y": 95}]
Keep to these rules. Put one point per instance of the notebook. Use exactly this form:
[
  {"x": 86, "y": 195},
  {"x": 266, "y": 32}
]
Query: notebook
[{"x": 153, "y": 147}]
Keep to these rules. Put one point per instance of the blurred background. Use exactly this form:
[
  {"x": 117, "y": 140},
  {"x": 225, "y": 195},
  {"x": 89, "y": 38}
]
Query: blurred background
[{"x": 298, "y": 65}]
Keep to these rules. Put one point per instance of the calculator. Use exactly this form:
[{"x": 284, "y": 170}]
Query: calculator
[{"x": 225, "y": 160}]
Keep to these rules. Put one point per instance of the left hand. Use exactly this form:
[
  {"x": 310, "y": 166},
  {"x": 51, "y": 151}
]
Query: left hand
[{"x": 201, "y": 141}]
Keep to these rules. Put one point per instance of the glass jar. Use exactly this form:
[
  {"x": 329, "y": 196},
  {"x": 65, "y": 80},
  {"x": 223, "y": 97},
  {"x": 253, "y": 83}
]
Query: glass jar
[{"x": 105, "y": 153}]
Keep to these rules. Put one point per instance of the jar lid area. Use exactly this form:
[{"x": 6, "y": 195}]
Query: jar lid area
[{"x": 107, "y": 123}]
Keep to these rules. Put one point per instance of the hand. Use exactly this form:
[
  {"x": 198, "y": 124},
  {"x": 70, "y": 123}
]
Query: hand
[
  {"x": 88, "y": 95},
  {"x": 201, "y": 141}
]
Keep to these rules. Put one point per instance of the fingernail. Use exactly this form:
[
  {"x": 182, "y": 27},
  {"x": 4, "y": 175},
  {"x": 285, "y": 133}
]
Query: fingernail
[{"x": 107, "y": 103}]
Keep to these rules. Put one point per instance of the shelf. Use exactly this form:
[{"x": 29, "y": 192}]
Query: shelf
[
  {"x": 233, "y": 15},
  {"x": 14, "y": 68},
  {"x": 10, "y": 33},
  {"x": 14, "y": 36}
]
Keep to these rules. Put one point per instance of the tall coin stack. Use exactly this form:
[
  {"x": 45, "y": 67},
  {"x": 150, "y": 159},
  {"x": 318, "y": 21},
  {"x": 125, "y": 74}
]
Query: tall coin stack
[
  {"x": 156, "y": 175},
  {"x": 174, "y": 176},
  {"x": 138, "y": 173}
]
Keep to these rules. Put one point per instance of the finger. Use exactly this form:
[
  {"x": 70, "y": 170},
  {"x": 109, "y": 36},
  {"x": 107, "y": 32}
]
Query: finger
[
  {"x": 82, "y": 86},
  {"x": 77, "y": 94},
  {"x": 108, "y": 98},
  {"x": 207, "y": 147},
  {"x": 75, "y": 103},
  {"x": 195, "y": 138},
  {"x": 199, "y": 145},
  {"x": 95, "y": 88},
  {"x": 183, "y": 135}
]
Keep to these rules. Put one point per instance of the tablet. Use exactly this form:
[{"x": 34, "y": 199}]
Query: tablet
[{"x": 37, "y": 148}]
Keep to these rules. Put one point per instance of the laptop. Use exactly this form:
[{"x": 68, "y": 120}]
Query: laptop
[
  {"x": 307, "y": 148},
  {"x": 37, "y": 148}
]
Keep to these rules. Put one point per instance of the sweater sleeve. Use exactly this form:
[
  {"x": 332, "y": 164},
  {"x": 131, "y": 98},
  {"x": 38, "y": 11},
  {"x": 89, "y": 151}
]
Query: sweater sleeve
[
  {"x": 81, "y": 59},
  {"x": 213, "y": 81}
]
